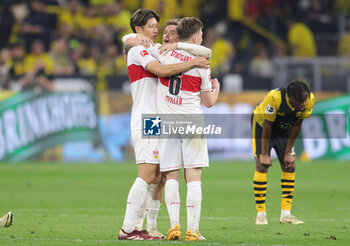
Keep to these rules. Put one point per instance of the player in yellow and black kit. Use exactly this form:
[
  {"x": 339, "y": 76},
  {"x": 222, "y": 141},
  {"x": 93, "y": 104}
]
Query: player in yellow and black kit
[{"x": 276, "y": 122}]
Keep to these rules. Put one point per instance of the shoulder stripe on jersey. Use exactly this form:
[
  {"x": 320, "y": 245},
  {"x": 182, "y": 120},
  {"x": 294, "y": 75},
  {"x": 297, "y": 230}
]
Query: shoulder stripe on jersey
[
  {"x": 189, "y": 83},
  {"x": 138, "y": 72}
]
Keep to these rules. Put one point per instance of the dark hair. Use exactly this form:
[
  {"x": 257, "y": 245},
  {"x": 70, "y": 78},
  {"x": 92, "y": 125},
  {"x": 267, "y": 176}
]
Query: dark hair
[
  {"x": 140, "y": 18},
  {"x": 187, "y": 27},
  {"x": 297, "y": 89}
]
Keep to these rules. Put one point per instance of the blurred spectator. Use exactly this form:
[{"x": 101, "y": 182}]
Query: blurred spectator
[
  {"x": 122, "y": 68},
  {"x": 343, "y": 6},
  {"x": 261, "y": 65},
  {"x": 119, "y": 19},
  {"x": 213, "y": 12},
  {"x": 17, "y": 55},
  {"x": 87, "y": 63},
  {"x": 107, "y": 66},
  {"x": 301, "y": 39},
  {"x": 191, "y": 8},
  {"x": 38, "y": 25},
  {"x": 5, "y": 66},
  {"x": 38, "y": 60},
  {"x": 59, "y": 55},
  {"x": 96, "y": 3},
  {"x": 70, "y": 16},
  {"x": 75, "y": 55},
  {"x": 319, "y": 16},
  {"x": 344, "y": 44},
  {"x": 7, "y": 21},
  {"x": 131, "y": 5},
  {"x": 222, "y": 52},
  {"x": 166, "y": 9},
  {"x": 235, "y": 9},
  {"x": 89, "y": 22}
]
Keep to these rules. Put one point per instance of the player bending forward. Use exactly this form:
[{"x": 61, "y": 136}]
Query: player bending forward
[{"x": 276, "y": 122}]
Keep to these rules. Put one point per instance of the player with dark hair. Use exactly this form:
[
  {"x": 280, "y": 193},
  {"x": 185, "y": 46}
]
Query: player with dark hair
[
  {"x": 276, "y": 123},
  {"x": 144, "y": 70}
]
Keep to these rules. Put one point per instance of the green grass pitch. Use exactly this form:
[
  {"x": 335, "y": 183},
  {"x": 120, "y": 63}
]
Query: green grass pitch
[{"x": 84, "y": 204}]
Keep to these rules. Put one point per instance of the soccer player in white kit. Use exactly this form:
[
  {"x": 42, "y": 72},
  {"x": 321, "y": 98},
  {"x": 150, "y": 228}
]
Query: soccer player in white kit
[
  {"x": 143, "y": 70},
  {"x": 170, "y": 42},
  {"x": 182, "y": 94}
]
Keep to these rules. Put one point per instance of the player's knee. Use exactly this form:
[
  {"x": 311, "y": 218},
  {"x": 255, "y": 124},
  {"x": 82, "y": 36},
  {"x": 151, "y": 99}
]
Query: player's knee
[
  {"x": 290, "y": 169},
  {"x": 262, "y": 168}
]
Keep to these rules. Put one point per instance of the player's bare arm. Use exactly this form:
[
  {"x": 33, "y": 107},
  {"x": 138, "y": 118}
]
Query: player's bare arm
[
  {"x": 161, "y": 70},
  {"x": 137, "y": 39},
  {"x": 264, "y": 158},
  {"x": 191, "y": 48},
  {"x": 209, "y": 98},
  {"x": 289, "y": 157}
]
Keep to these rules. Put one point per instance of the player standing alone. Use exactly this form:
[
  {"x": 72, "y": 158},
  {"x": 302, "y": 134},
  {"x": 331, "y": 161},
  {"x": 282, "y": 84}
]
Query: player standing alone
[{"x": 276, "y": 122}]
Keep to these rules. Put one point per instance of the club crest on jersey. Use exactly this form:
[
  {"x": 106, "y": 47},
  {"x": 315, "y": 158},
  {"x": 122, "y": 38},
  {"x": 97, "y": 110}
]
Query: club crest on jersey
[
  {"x": 144, "y": 53},
  {"x": 151, "y": 126},
  {"x": 269, "y": 109}
]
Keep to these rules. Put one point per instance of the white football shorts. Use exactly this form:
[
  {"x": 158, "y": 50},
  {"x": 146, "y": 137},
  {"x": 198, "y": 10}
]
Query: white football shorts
[
  {"x": 146, "y": 148},
  {"x": 186, "y": 152}
]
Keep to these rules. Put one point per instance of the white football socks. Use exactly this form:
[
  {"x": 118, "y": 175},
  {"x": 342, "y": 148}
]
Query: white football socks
[
  {"x": 259, "y": 213},
  {"x": 135, "y": 205},
  {"x": 193, "y": 205},
  {"x": 172, "y": 200},
  {"x": 152, "y": 214},
  {"x": 284, "y": 213}
]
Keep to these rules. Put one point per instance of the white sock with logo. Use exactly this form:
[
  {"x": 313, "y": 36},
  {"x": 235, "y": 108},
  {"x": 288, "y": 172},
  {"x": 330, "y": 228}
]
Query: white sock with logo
[
  {"x": 193, "y": 205},
  {"x": 172, "y": 200},
  {"x": 144, "y": 209},
  {"x": 135, "y": 204},
  {"x": 152, "y": 214}
]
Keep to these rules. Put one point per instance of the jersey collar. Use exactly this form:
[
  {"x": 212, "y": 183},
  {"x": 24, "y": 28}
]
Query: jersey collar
[{"x": 288, "y": 103}]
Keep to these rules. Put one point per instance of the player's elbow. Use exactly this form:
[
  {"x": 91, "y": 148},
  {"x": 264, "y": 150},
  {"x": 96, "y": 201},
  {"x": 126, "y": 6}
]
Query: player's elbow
[
  {"x": 208, "y": 99},
  {"x": 208, "y": 103}
]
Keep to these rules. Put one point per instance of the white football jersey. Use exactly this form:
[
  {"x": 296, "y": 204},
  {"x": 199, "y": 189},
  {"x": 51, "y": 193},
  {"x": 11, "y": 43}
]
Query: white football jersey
[
  {"x": 181, "y": 93},
  {"x": 143, "y": 85}
]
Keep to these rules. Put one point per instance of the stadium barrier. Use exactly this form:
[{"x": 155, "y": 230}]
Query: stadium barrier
[{"x": 105, "y": 134}]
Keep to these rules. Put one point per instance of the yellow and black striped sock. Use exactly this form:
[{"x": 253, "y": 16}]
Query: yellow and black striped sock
[
  {"x": 260, "y": 186},
  {"x": 287, "y": 184}
]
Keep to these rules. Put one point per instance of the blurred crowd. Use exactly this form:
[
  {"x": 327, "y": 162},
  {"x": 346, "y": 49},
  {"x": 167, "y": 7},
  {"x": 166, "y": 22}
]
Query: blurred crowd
[{"x": 41, "y": 39}]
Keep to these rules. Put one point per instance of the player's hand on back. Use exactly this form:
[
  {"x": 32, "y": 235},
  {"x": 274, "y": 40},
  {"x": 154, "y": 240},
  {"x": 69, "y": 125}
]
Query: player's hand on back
[
  {"x": 165, "y": 48},
  {"x": 201, "y": 62},
  {"x": 145, "y": 41},
  {"x": 265, "y": 160},
  {"x": 289, "y": 159}
]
